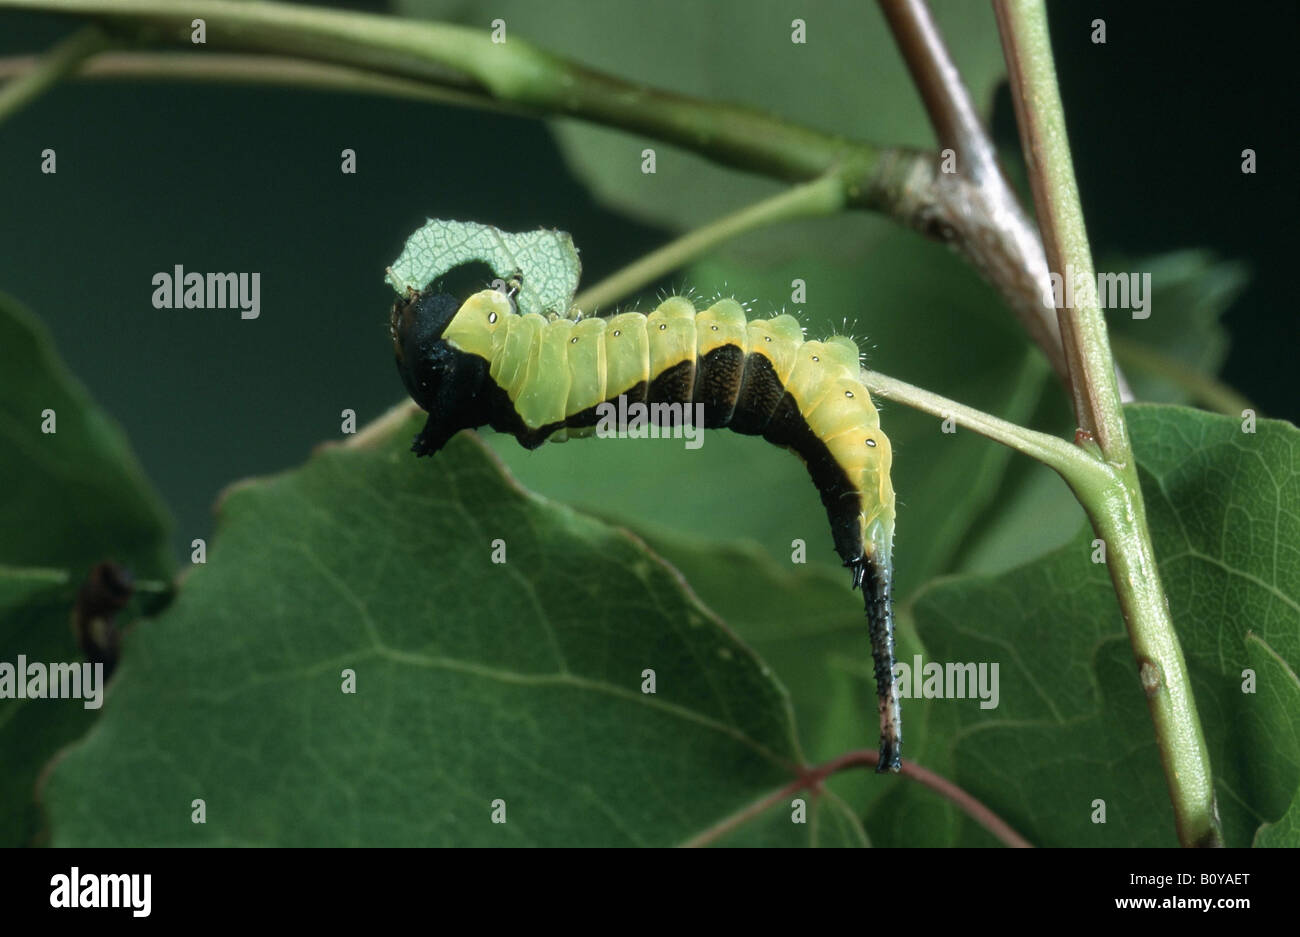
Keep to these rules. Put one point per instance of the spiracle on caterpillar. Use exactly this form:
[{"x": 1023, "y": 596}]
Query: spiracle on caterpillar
[{"x": 538, "y": 378}]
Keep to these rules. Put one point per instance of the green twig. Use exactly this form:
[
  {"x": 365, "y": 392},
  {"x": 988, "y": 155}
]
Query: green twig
[
  {"x": 1046, "y": 145},
  {"x": 55, "y": 577},
  {"x": 1114, "y": 501},
  {"x": 1012, "y": 235},
  {"x": 515, "y": 71},
  {"x": 152, "y": 586},
  {"x": 825, "y": 196},
  {"x": 62, "y": 60},
  {"x": 238, "y": 68},
  {"x": 1071, "y": 462}
]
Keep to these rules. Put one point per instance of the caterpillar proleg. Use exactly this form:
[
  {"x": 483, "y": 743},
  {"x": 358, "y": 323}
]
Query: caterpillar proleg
[{"x": 481, "y": 363}]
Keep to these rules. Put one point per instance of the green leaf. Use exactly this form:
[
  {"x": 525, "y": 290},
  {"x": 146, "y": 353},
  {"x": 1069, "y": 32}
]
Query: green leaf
[
  {"x": 812, "y": 629},
  {"x": 1072, "y": 725},
  {"x": 1229, "y": 551},
  {"x": 475, "y": 680},
  {"x": 70, "y": 498},
  {"x": 77, "y": 495},
  {"x": 34, "y": 607},
  {"x": 1285, "y": 832},
  {"x": 546, "y": 259},
  {"x": 1275, "y": 727},
  {"x": 1168, "y": 355},
  {"x": 828, "y": 819}
]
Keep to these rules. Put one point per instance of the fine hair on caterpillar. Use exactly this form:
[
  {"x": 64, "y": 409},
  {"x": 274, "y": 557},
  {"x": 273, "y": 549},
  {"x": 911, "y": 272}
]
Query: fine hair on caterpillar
[{"x": 547, "y": 378}]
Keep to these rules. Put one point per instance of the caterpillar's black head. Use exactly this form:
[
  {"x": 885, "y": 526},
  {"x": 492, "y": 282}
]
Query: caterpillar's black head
[
  {"x": 417, "y": 324},
  {"x": 443, "y": 380}
]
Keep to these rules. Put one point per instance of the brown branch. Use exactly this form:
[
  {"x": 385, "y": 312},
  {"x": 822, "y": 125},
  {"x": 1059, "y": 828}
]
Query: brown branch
[
  {"x": 946, "y": 99},
  {"x": 989, "y": 226},
  {"x": 812, "y": 778}
]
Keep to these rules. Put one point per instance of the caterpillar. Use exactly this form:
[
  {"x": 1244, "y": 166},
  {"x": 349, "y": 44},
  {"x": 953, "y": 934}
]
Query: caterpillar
[{"x": 539, "y": 378}]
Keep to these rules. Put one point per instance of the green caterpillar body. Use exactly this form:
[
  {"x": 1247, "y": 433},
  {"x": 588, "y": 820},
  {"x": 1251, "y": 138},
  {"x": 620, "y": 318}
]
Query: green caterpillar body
[{"x": 480, "y": 363}]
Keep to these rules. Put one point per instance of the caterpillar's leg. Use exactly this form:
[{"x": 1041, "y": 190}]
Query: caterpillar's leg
[
  {"x": 875, "y": 577},
  {"x": 432, "y": 438}
]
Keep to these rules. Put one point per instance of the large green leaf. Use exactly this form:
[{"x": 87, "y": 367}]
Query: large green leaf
[
  {"x": 811, "y": 629},
  {"x": 1190, "y": 291},
  {"x": 34, "y": 622},
  {"x": 1072, "y": 725},
  {"x": 1273, "y": 726},
  {"x": 74, "y": 496},
  {"x": 70, "y": 498},
  {"x": 1285, "y": 832},
  {"x": 474, "y": 680}
]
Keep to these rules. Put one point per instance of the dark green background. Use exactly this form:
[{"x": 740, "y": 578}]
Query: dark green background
[{"x": 247, "y": 179}]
